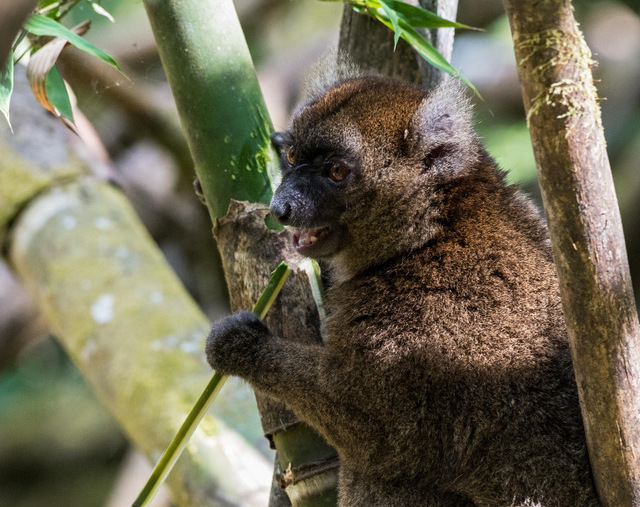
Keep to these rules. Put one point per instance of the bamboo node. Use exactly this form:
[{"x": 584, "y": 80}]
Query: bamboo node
[{"x": 293, "y": 475}]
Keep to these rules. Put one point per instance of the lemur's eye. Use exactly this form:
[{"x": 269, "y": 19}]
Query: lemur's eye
[
  {"x": 291, "y": 156},
  {"x": 338, "y": 172}
]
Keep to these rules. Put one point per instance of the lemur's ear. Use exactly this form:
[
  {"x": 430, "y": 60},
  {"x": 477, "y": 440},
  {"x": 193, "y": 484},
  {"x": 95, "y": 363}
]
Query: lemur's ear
[{"x": 442, "y": 119}]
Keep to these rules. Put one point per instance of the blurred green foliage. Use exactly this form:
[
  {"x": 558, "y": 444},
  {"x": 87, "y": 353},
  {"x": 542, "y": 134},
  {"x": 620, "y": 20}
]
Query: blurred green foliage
[
  {"x": 116, "y": 8},
  {"x": 510, "y": 144},
  {"x": 58, "y": 445}
]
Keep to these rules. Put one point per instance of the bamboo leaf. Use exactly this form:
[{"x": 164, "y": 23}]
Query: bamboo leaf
[
  {"x": 431, "y": 54},
  {"x": 46, "y": 83},
  {"x": 418, "y": 17},
  {"x": 427, "y": 51},
  {"x": 57, "y": 94},
  {"x": 172, "y": 453},
  {"x": 393, "y": 17},
  {"x": 43, "y": 26},
  {"x": 402, "y": 18},
  {"x": 6, "y": 86}
]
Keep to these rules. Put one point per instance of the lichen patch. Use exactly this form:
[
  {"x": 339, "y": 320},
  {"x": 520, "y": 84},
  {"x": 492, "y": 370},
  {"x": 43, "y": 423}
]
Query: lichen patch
[
  {"x": 562, "y": 59},
  {"x": 102, "y": 309}
]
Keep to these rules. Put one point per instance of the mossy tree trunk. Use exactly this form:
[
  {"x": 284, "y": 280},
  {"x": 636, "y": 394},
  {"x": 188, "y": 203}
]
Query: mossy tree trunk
[{"x": 586, "y": 233}]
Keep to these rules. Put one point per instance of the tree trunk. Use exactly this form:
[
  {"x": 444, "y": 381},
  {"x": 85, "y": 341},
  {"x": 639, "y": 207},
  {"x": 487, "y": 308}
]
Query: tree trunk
[
  {"x": 588, "y": 245},
  {"x": 12, "y": 16},
  {"x": 369, "y": 44},
  {"x": 441, "y": 38}
]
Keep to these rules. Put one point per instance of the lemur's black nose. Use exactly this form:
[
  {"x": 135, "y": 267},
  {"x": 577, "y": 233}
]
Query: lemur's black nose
[{"x": 280, "y": 210}]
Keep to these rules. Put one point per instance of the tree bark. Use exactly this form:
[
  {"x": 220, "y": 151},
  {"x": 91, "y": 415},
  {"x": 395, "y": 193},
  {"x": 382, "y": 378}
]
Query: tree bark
[
  {"x": 369, "y": 45},
  {"x": 12, "y": 15},
  {"x": 588, "y": 245},
  {"x": 441, "y": 38}
]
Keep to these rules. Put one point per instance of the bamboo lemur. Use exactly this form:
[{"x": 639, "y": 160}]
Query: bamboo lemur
[{"x": 445, "y": 378}]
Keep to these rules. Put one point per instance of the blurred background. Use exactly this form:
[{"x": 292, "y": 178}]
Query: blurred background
[{"x": 58, "y": 446}]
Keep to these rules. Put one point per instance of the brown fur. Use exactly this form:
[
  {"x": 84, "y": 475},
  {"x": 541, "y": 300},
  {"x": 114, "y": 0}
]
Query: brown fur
[{"x": 446, "y": 377}]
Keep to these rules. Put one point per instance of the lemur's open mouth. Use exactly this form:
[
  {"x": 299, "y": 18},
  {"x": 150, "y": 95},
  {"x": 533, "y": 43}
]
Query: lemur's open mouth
[
  {"x": 304, "y": 238},
  {"x": 318, "y": 242}
]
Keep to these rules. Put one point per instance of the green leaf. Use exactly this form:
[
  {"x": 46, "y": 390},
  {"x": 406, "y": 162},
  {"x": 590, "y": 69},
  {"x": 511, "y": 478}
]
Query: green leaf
[
  {"x": 57, "y": 94},
  {"x": 427, "y": 51},
  {"x": 421, "y": 18},
  {"x": 431, "y": 54},
  {"x": 393, "y": 17},
  {"x": 6, "y": 86},
  {"x": 401, "y": 18},
  {"x": 43, "y": 26}
]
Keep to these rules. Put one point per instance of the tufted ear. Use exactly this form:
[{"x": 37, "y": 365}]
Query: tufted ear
[{"x": 441, "y": 123}]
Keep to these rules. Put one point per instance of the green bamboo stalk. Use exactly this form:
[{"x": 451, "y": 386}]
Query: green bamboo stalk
[
  {"x": 216, "y": 90},
  {"x": 177, "y": 445},
  {"x": 213, "y": 81},
  {"x": 173, "y": 452}
]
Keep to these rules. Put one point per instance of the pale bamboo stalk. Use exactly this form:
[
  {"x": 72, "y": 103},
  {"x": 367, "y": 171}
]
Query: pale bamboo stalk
[
  {"x": 114, "y": 303},
  {"x": 128, "y": 324},
  {"x": 177, "y": 445}
]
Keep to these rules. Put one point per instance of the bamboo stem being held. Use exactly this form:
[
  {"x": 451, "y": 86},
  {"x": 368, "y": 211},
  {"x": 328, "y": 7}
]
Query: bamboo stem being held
[{"x": 173, "y": 452}]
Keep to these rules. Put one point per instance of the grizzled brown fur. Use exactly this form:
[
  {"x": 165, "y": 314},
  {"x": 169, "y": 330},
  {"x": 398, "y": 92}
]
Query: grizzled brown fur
[{"x": 445, "y": 378}]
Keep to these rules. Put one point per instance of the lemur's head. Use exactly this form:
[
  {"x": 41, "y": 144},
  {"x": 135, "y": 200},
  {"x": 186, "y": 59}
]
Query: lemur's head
[{"x": 361, "y": 166}]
